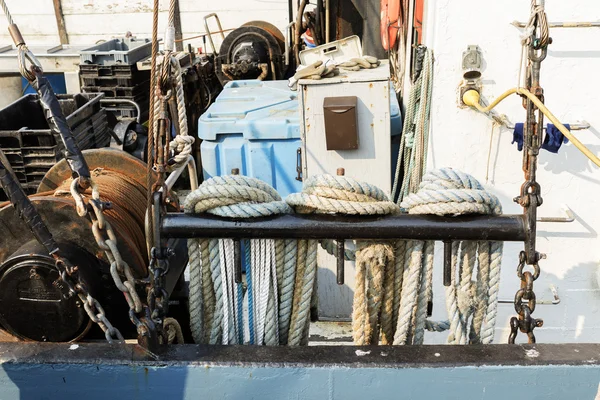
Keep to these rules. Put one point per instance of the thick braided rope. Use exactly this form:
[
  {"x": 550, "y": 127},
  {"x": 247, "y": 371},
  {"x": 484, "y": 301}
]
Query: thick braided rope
[
  {"x": 310, "y": 279},
  {"x": 327, "y": 194},
  {"x": 377, "y": 257},
  {"x": 389, "y": 296},
  {"x": 359, "y": 305},
  {"x": 235, "y": 197},
  {"x": 208, "y": 294},
  {"x": 305, "y": 277},
  {"x": 425, "y": 290},
  {"x": 287, "y": 288},
  {"x": 216, "y": 333},
  {"x": 410, "y": 290},
  {"x": 249, "y": 280},
  {"x": 487, "y": 335},
  {"x": 183, "y": 142},
  {"x": 272, "y": 310},
  {"x": 481, "y": 292},
  {"x": 197, "y": 306},
  {"x": 471, "y": 306}
]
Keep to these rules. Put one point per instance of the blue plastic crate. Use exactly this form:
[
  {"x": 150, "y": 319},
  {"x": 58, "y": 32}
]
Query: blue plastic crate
[{"x": 255, "y": 126}]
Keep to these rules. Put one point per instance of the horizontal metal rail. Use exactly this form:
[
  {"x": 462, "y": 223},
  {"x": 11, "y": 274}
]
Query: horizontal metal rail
[
  {"x": 293, "y": 226},
  {"x": 583, "y": 24}
]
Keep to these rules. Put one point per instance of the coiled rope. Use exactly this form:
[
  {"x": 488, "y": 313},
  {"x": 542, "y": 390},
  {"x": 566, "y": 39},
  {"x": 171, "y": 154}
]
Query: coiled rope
[
  {"x": 126, "y": 216},
  {"x": 327, "y": 194},
  {"x": 471, "y": 305},
  {"x": 394, "y": 281},
  {"x": 279, "y": 276}
]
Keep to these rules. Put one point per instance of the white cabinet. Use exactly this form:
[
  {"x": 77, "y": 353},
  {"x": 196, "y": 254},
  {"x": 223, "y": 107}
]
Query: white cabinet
[{"x": 370, "y": 162}]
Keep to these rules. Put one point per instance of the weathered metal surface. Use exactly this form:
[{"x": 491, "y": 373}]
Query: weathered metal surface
[
  {"x": 64, "y": 224},
  {"x": 419, "y": 227},
  {"x": 230, "y": 372}
]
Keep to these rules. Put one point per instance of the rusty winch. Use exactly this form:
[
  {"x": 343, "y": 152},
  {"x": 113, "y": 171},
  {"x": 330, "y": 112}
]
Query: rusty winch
[{"x": 35, "y": 304}]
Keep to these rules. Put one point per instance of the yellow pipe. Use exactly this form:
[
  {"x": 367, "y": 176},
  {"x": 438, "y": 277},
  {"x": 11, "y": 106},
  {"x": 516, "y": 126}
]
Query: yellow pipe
[{"x": 471, "y": 98}]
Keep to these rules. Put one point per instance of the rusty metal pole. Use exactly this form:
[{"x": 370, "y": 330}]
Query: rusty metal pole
[
  {"x": 178, "y": 31},
  {"x": 60, "y": 22}
]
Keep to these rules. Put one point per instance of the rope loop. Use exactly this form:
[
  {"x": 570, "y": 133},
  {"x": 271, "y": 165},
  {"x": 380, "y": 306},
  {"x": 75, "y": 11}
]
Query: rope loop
[
  {"x": 23, "y": 56},
  {"x": 235, "y": 196},
  {"x": 328, "y": 194},
  {"x": 449, "y": 192}
]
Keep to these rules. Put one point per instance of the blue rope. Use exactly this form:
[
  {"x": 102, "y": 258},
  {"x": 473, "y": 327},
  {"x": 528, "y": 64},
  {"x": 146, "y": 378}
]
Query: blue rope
[
  {"x": 240, "y": 312},
  {"x": 248, "y": 265}
]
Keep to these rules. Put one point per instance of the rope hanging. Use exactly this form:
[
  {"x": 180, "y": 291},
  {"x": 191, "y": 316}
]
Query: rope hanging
[
  {"x": 326, "y": 194},
  {"x": 279, "y": 273},
  {"x": 394, "y": 281},
  {"x": 412, "y": 158},
  {"x": 471, "y": 305}
]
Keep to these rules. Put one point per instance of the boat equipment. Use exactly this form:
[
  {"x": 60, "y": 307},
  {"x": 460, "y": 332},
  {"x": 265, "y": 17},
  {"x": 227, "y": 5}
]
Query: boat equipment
[
  {"x": 370, "y": 219},
  {"x": 535, "y": 44}
]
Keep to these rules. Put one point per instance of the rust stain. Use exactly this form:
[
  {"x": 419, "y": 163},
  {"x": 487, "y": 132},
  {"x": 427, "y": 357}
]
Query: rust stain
[{"x": 370, "y": 85}]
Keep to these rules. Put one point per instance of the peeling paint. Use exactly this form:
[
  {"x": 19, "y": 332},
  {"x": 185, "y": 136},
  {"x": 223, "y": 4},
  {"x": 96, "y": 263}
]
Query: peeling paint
[
  {"x": 532, "y": 353},
  {"x": 361, "y": 353}
]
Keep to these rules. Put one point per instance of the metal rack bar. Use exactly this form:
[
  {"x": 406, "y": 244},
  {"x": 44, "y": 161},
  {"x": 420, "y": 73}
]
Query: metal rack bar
[
  {"x": 573, "y": 127},
  {"x": 595, "y": 24},
  {"x": 293, "y": 226}
]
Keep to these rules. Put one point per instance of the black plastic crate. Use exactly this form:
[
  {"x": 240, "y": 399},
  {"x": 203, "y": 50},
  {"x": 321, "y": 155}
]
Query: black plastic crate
[
  {"x": 127, "y": 50},
  {"x": 127, "y": 111},
  {"x": 116, "y": 81},
  {"x": 26, "y": 115},
  {"x": 119, "y": 91},
  {"x": 95, "y": 70},
  {"x": 30, "y": 145}
]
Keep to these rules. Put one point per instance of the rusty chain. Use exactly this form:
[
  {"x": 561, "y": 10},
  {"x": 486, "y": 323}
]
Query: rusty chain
[
  {"x": 69, "y": 275},
  {"x": 107, "y": 241},
  {"x": 530, "y": 197},
  {"x": 157, "y": 295}
]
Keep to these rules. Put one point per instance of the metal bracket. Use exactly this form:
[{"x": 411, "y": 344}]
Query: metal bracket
[
  {"x": 555, "y": 298},
  {"x": 569, "y": 216},
  {"x": 209, "y": 33},
  {"x": 595, "y": 24}
]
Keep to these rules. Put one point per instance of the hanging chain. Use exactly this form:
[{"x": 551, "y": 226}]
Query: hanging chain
[
  {"x": 158, "y": 297},
  {"x": 530, "y": 197},
  {"x": 69, "y": 275},
  {"x": 107, "y": 241}
]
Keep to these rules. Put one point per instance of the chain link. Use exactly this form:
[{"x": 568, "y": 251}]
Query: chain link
[
  {"x": 107, "y": 241},
  {"x": 70, "y": 276},
  {"x": 157, "y": 295},
  {"x": 530, "y": 197}
]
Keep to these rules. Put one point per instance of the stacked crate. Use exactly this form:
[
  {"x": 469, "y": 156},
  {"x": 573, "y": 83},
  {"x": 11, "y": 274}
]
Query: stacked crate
[
  {"x": 32, "y": 148},
  {"x": 110, "y": 68}
]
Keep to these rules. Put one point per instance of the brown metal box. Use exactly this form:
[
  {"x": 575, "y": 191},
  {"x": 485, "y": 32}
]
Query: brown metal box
[{"x": 341, "y": 124}]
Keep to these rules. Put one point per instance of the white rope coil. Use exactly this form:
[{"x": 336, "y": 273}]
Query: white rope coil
[
  {"x": 280, "y": 277},
  {"x": 327, "y": 194},
  {"x": 471, "y": 305}
]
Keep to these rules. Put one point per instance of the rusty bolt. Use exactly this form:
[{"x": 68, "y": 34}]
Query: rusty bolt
[
  {"x": 235, "y": 171},
  {"x": 341, "y": 171}
]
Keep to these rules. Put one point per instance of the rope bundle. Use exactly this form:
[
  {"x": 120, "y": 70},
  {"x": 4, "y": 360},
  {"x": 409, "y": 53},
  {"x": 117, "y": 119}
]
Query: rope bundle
[
  {"x": 471, "y": 305},
  {"x": 327, "y": 194},
  {"x": 279, "y": 275},
  {"x": 412, "y": 158},
  {"x": 393, "y": 280}
]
